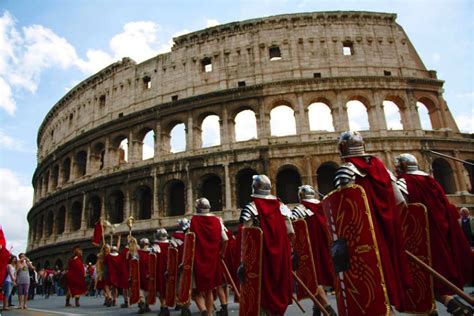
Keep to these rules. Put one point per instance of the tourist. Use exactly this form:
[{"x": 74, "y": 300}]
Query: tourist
[
  {"x": 23, "y": 279},
  {"x": 9, "y": 282}
]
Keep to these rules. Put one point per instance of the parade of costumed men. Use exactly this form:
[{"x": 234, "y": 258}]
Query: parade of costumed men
[
  {"x": 450, "y": 251},
  {"x": 76, "y": 277},
  {"x": 161, "y": 264},
  {"x": 274, "y": 231},
  {"x": 370, "y": 187},
  {"x": 310, "y": 210},
  {"x": 144, "y": 259}
]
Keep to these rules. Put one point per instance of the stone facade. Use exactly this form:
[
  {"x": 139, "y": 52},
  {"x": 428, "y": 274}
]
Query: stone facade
[{"x": 293, "y": 60}]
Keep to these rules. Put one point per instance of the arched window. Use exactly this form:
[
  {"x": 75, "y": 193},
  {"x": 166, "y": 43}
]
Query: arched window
[
  {"x": 76, "y": 213},
  {"x": 244, "y": 186},
  {"x": 443, "y": 173},
  {"x": 98, "y": 156},
  {"x": 115, "y": 207},
  {"x": 143, "y": 202},
  {"x": 424, "y": 116},
  {"x": 325, "y": 177},
  {"x": 282, "y": 121},
  {"x": 288, "y": 181},
  {"x": 358, "y": 117},
  {"x": 40, "y": 225},
  {"x": 61, "y": 219},
  {"x": 58, "y": 264},
  {"x": 80, "y": 164},
  {"x": 178, "y": 138},
  {"x": 66, "y": 170},
  {"x": 470, "y": 176},
  {"x": 94, "y": 207},
  {"x": 55, "y": 176},
  {"x": 49, "y": 223},
  {"x": 245, "y": 125},
  {"x": 392, "y": 115},
  {"x": 210, "y": 128},
  {"x": 123, "y": 151},
  {"x": 211, "y": 190},
  {"x": 320, "y": 117},
  {"x": 176, "y": 198},
  {"x": 148, "y": 147}
]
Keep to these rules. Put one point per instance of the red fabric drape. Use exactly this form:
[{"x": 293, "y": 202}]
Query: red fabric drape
[
  {"x": 3, "y": 241},
  {"x": 386, "y": 218},
  {"x": 450, "y": 251},
  {"x": 98, "y": 232},
  {"x": 276, "y": 271},
  {"x": 207, "y": 267},
  {"x": 4, "y": 256},
  {"x": 124, "y": 269},
  {"x": 76, "y": 277},
  {"x": 144, "y": 259},
  {"x": 318, "y": 235},
  {"x": 117, "y": 276},
  {"x": 161, "y": 262},
  {"x": 179, "y": 235}
]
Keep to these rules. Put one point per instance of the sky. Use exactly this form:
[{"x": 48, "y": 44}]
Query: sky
[{"x": 49, "y": 46}]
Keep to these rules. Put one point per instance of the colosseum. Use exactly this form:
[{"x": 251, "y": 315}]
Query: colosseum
[{"x": 231, "y": 79}]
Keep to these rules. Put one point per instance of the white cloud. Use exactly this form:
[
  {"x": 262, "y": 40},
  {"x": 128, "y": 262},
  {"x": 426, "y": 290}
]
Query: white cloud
[
  {"x": 358, "y": 118},
  {"x": 212, "y": 22},
  {"x": 465, "y": 122},
  {"x": 10, "y": 143},
  {"x": 6, "y": 98},
  {"x": 211, "y": 135},
  {"x": 245, "y": 125},
  {"x": 15, "y": 201},
  {"x": 282, "y": 121},
  {"x": 466, "y": 95}
]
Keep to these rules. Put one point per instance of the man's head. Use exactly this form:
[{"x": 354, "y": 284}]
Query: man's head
[
  {"x": 351, "y": 144},
  {"x": 306, "y": 192},
  {"x": 184, "y": 224},
  {"x": 202, "y": 205},
  {"x": 464, "y": 212},
  {"x": 261, "y": 185},
  {"x": 405, "y": 163},
  {"x": 77, "y": 251},
  {"x": 161, "y": 234},
  {"x": 144, "y": 242}
]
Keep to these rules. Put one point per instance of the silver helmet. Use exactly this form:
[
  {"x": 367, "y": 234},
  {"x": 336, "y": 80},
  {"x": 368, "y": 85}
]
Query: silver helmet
[
  {"x": 161, "y": 234},
  {"x": 306, "y": 192},
  {"x": 351, "y": 144},
  {"x": 114, "y": 249},
  {"x": 144, "y": 242},
  {"x": 202, "y": 205},
  {"x": 405, "y": 163},
  {"x": 261, "y": 185},
  {"x": 184, "y": 224}
]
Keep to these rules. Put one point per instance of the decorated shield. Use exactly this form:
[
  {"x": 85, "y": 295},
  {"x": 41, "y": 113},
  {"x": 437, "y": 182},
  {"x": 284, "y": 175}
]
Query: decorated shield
[
  {"x": 415, "y": 231},
  {"x": 306, "y": 269},
  {"x": 135, "y": 280},
  {"x": 185, "y": 282},
  {"x": 172, "y": 275},
  {"x": 251, "y": 287},
  {"x": 152, "y": 279},
  {"x": 359, "y": 280}
]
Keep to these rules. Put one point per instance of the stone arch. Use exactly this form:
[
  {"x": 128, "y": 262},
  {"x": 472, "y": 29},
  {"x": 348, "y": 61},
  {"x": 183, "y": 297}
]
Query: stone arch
[
  {"x": 92, "y": 258},
  {"x": 119, "y": 150},
  {"x": 55, "y": 177},
  {"x": 245, "y": 124},
  {"x": 175, "y": 198},
  {"x": 147, "y": 138},
  {"x": 66, "y": 172},
  {"x": 210, "y": 130},
  {"x": 176, "y": 137},
  {"x": 211, "y": 189},
  {"x": 97, "y": 157},
  {"x": 288, "y": 179},
  {"x": 243, "y": 180},
  {"x": 282, "y": 121},
  {"x": 115, "y": 203},
  {"x": 320, "y": 116},
  {"x": 470, "y": 175},
  {"x": 49, "y": 223},
  {"x": 61, "y": 220},
  {"x": 357, "y": 113},
  {"x": 76, "y": 214},
  {"x": 325, "y": 176},
  {"x": 80, "y": 164},
  {"x": 58, "y": 264},
  {"x": 94, "y": 207},
  {"x": 143, "y": 202},
  {"x": 443, "y": 173},
  {"x": 393, "y": 113},
  {"x": 427, "y": 110},
  {"x": 39, "y": 227}
]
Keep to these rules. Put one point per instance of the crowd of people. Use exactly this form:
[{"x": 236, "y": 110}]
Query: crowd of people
[{"x": 204, "y": 259}]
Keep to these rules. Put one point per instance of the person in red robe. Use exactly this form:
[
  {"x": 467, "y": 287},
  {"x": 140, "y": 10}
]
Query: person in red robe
[
  {"x": 144, "y": 259},
  {"x": 211, "y": 241},
  {"x": 384, "y": 198},
  {"x": 124, "y": 275},
  {"x": 161, "y": 261},
  {"x": 310, "y": 209},
  {"x": 450, "y": 250},
  {"x": 273, "y": 217},
  {"x": 222, "y": 291},
  {"x": 76, "y": 277},
  {"x": 116, "y": 278}
]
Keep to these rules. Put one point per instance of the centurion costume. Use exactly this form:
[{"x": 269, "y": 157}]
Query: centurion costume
[
  {"x": 161, "y": 264},
  {"x": 266, "y": 279},
  {"x": 368, "y": 252},
  {"x": 450, "y": 251}
]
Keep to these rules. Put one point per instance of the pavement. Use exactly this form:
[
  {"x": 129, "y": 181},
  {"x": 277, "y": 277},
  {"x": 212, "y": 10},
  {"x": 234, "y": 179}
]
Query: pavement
[{"x": 54, "y": 306}]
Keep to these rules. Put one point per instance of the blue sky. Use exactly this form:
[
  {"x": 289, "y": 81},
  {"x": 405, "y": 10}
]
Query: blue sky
[{"x": 47, "y": 47}]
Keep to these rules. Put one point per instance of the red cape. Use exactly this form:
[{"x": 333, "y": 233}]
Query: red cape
[
  {"x": 207, "y": 266},
  {"x": 116, "y": 274},
  {"x": 76, "y": 277},
  {"x": 161, "y": 262},
  {"x": 230, "y": 255},
  {"x": 237, "y": 257},
  {"x": 276, "y": 271},
  {"x": 387, "y": 224},
  {"x": 318, "y": 235},
  {"x": 179, "y": 235},
  {"x": 4, "y": 256},
  {"x": 450, "y": 251},
  {"x": 144, "y": 259}
]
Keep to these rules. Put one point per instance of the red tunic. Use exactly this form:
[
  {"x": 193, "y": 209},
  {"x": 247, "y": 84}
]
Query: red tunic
[
  {"x": 386, "y": 219},
  {"x": 115, "y": 267},
  {"x": 76, "y": 277},
  {"x": 237, "y": 257},
  {"x": 229, "y": 255},
  {"x": 161, "y": 262},
  {"x": 124, "y": 269},
  {"x": 450, "y": 251},
  {"x": 276, "y": 271},
  {"x": 179, "y": 235},
  {"x": 207, "y": 268},
  {"x": 144, "y": 259},
  {"x": 318, "y": 235}
]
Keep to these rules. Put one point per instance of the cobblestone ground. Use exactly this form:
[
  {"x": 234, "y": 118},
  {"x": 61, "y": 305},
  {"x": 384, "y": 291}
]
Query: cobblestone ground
[{"x": 93, "y": 306}]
